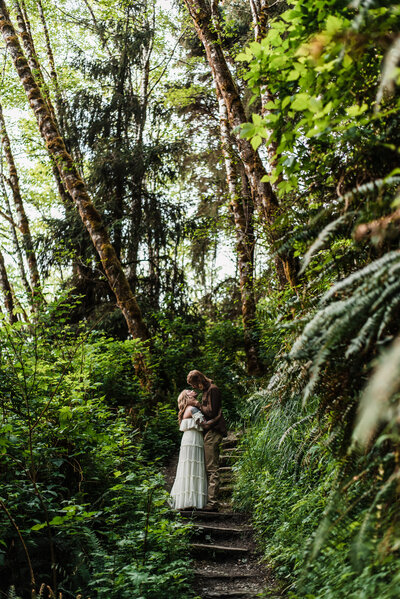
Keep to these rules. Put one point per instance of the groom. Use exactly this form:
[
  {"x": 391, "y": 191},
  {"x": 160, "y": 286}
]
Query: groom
[{"x": 210, "y": 406}]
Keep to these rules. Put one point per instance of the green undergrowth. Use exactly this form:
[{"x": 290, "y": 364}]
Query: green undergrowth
[
  {"x": 312, "y": 513},
  {"x": 83, "y": 508},
  {"x": 83, "y": 505}
]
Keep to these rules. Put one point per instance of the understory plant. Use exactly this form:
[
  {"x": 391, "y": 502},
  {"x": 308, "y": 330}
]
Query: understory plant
[
  {"x": 320, "y": 469},
  {"x": 83, "y": 509}
]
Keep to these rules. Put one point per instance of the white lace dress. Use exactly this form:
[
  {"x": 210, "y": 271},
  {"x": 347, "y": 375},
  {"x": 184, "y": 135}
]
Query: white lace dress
[{"x": 190, "y": 486}]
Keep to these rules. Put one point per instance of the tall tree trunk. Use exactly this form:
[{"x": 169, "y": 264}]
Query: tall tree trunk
[
  {"x": 137, "y": 195},
  {"x": 242, "y": 207},
  {"x": 289, "y": 264},
  {"x": 259, "y": 11},
  {"x": 72, "y": 181},
  {"x": 201, "y": 15},
  {"x": 23, "y": 223},
  {"x": 50, "y": 55},
  {"x": 33, "y": 61},
  {"x": 16, "y": 246},
  {"x": 7, "y": 292},
  {"x": 60, "y": 111},
  {"x": 263, "y": 194}
]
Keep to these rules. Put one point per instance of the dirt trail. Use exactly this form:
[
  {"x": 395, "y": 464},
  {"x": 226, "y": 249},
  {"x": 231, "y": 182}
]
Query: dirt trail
[{"x": 226, "y": 562}]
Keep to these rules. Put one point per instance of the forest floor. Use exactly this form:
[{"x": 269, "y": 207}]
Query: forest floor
[{"x": 226, "y": 563}]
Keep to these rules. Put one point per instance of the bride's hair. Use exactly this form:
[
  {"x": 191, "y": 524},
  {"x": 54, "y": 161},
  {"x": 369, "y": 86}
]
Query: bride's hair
[{"x": 182, "y": 403}]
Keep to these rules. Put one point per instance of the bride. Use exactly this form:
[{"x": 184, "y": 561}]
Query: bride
[{"x": 190, "y": 487}]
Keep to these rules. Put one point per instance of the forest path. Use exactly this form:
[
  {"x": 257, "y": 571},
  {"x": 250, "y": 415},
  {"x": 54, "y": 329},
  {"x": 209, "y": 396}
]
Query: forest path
[{"x": 226, "y": 563}]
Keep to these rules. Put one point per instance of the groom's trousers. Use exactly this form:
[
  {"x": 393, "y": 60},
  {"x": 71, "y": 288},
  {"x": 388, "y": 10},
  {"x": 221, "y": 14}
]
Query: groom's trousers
[{"x": 212, "y": 440}]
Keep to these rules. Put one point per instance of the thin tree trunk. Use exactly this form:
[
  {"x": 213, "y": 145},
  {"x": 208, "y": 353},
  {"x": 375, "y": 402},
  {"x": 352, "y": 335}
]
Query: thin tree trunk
[
  {"x": 28, "y": 559},
  {"x": 255, "y": 171},
  {"x": 33, "y": 61},
  {"x": 50, "y": 55},
  {"x": 16, "y": 246},
  {"x": 287, "y": 265},
  {"x": 259, "y": 11},
  {"x": 60, "y": 103},
  {"x": 137, "y": 199},
  {"x": 23, "y": 223},
  {"x": 74, "y": 184},
  {"x": 263, "y": 194},
  {"x": 7, "y": 292},
  {"x": 242, "y": 207}
]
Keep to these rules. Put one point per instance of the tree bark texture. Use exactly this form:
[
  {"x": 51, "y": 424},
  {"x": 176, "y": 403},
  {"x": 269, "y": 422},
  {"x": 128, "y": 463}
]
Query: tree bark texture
[
  {"x": 242, "y": 207},
  {"x": 7, "y": 292},
  {"x": 23, "y": 223},
  {"x": 16, "y": 246},
  {"x": 33, "y": 62},
  {"x": 200, "y": 13},
  {"x": 136, "y": 202},
  {"x": 264, "y": 196},
  {"x": 50, "y": 55},
  {"x": 74, "y": 184}
]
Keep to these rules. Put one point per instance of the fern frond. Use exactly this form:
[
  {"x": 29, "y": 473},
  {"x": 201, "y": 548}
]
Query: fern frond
[
  {"x": 366, "y": 334},
  {"x": 383, "y": 263},
  {"x": 374, "y": 406},
  {"x": 392, "y": 286},
  {"x": 388, "y": 315},
  {"x": 359, "y": 544},
  {"x": 324, "y": 237},
  {"x": 293, "y": 426},
  {"x": 315, "y": 328}
]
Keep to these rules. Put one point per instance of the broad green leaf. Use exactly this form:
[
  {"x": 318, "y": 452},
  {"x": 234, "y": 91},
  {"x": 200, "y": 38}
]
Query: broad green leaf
[
  {"x": 356, "y": 110},
  {"x": 301, "y": 102},
  {"x": 256, "y": 141}
]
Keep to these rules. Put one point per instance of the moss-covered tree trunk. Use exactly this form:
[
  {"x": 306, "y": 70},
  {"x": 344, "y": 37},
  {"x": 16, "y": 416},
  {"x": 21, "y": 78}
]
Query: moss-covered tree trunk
[
  {"x": 200, "y": 13},
  {"x": 7, "y": 291},
  {"x": 16, "y": 245},
  {"x": 73, "y": 182},
  {"x": 23, "y": 223}
]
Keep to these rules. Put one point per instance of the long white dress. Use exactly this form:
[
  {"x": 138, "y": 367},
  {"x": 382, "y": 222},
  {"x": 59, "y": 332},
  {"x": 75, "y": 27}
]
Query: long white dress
[{"x": 190, "y": 486}]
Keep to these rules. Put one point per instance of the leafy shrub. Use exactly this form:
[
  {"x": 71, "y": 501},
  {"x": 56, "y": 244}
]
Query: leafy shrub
[{"x": 75, "y": 487}]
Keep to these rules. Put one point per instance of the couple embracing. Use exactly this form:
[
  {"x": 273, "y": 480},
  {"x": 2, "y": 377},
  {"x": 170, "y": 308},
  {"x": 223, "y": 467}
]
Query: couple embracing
[{"x": 203, "y": 425}]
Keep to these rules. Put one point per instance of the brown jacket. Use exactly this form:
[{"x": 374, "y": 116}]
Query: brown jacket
[{"x": 210, "y": 406}]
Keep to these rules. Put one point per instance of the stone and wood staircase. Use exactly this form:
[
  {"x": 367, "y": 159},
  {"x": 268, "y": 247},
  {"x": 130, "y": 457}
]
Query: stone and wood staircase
[{"x": 226, "y": 564}]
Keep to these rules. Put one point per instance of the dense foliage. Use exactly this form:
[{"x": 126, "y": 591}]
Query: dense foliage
[
  {"x": 268, "y": 133},
  {"x": 84, "y": 505},
  {"x": 88, "y": 507},
  {"x": 320, "y": 468}
]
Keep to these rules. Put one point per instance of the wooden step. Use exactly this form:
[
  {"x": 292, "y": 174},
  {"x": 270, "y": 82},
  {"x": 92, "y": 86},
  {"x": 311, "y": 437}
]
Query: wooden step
[
  {"x": 226, "y": 490},
  {"x": 229, "y": 442},
  {"x": 226, "y": 479},
  {"x": 224, "y": 516},
  {"x": 226, "y": 529},
  {"x": 223, "y": 576},
  {"x": 217, "y": 551},
  {"x": 229, "y": 594},
  {"x": 219, "y": 532}
]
